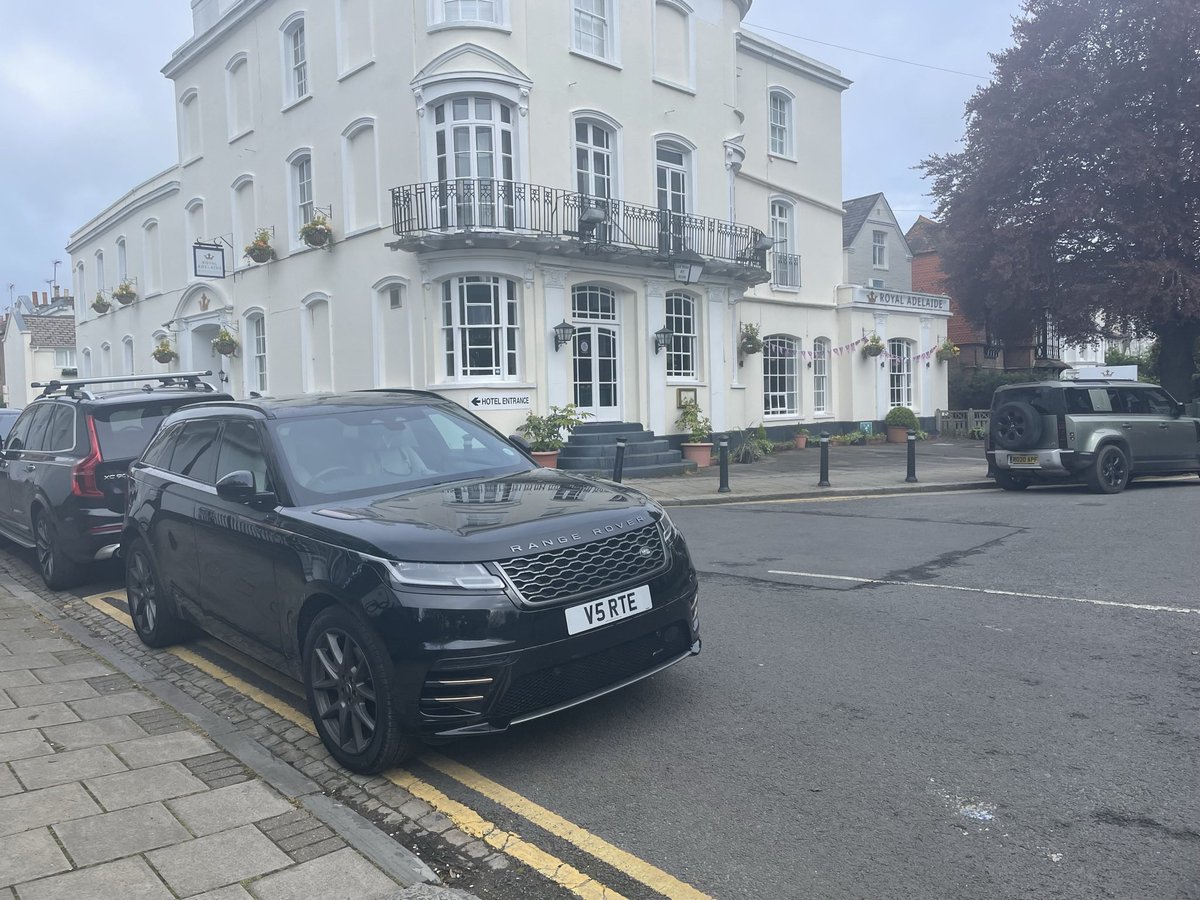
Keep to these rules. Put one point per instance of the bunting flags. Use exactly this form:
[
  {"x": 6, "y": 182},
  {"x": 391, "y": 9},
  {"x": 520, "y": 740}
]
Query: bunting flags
[{"x": 855, "y": 346}]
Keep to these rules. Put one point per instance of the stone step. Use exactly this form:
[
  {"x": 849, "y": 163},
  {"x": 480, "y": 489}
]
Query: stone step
[
  {"x": 607, "y": 427},
  {"x": 599, "y": 438},
  {"x": 655, "y": 445},
  {"x": 607, "y": 461},
  {"x": 682, "y": 467}
]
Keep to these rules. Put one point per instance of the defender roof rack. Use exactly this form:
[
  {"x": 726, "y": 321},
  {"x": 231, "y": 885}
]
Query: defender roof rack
[{"x": 74, "y": 387}]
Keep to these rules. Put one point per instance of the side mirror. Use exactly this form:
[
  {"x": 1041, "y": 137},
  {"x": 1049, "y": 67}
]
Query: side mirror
[
  {"x": 237, "y": 487},
  {"x": 520, "y": 442},
  {"x": 1178, "y": 411}
]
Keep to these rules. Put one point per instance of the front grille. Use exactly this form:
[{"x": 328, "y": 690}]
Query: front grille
[
  {"x": 550, "y": 687},
  {"x": 587, "y": 568}
]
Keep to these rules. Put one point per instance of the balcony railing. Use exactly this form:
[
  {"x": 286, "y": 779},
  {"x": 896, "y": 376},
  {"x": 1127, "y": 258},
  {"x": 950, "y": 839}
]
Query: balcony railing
[
  {"x": 477, "y": 205},
  {"x": 785, "y": 270}
]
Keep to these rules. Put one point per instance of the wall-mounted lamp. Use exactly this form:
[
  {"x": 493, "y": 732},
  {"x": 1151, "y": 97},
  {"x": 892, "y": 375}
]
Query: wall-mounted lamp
[
  {"x": 763, "y": 244},
  {"x": 662, "y": 338},
  {"x": 688, "y": 266},
  {"x": 589, "y": 219},
  {"x": 563, "y": 332}
]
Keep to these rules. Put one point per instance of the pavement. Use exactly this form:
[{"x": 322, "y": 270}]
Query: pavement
[{"x": 122, "y": 775}]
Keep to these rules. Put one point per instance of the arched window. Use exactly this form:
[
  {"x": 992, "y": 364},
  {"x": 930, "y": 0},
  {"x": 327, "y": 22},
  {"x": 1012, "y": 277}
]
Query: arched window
[
  {"x": 101, "y": 284},
  {"x": 194, "y": 229},
  {"x": 900, "y": 373},
  {"x": 122, "y": 261},
  {"x": 785, "y": 264},
  {"x": 85, "y": 363},
  {"x": 106, "y": 359},
  {"x": 360, "y": 155},
  {"x": 820, "y": 371},
  {"x": 245, "y": 217},
  {"x": 781, "y": 376},
  {"x": 128, "y": 367},
  {"x": 672, "y": 174},
  {"x": 300, "y": 190},
  {"x": 468, "y": 11},
  {"x": 354, "y": 34},
  {"x": 474, "y": 143},
  {"x": 255, "y": 352},
  {"x": 151, "y": 257},
  {"x": 480, "y": 329},
  {"x": 782, "y": 136},
  {"x": 389, "y": 327},
  {"x": 295, "y": 60},
  {"x": 673, "y": 43},
  {"x": 238, "y": 96},
  {"x": 316, "y": 334},
  {"x": 595, "y": 159},
  {"x": 189, "y": 125},
  {"x": 681, "y": 319},
  {"x": 81, "y": 287}
]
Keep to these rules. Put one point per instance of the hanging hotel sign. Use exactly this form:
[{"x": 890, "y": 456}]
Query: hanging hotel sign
[
  {"x": 208, "y": 260},
  {"x": 500, "y": 401}
]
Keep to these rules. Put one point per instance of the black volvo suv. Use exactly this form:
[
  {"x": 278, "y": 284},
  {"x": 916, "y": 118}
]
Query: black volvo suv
[
  {"x": 418, "y": 572},
  {"x": 62, "y": 472}
]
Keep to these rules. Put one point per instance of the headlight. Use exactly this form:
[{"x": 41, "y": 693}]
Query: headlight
[
  {"x": 470, "y": 576},
  {"x": 670, "y": 533}
]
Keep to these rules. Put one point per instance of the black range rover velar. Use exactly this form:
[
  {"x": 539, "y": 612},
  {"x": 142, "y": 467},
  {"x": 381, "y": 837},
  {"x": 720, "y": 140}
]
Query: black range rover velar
[{"x": 413, "y": 567}]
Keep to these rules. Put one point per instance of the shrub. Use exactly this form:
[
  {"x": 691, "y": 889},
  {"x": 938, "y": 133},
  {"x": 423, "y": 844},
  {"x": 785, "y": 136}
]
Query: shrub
[
  {"x": 901, "y": 417},
  {"x": 697, "y": 426},
  {"x": 545, "y": 433},
  {"x": 753, "y": 444}
]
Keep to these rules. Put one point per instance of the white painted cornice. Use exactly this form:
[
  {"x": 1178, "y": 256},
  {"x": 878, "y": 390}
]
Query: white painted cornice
[
  {"x": 200, "y": 44},
  {"x": 122, "y": 210},
  {"x": 787, "y": 58}
]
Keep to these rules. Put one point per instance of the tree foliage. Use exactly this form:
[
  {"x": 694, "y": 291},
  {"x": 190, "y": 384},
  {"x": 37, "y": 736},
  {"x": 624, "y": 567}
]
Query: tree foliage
[{"x": 1077, "y": 191}]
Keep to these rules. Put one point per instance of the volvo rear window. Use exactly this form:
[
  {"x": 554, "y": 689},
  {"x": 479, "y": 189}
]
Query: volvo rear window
[{"x": 124, "y": 432}]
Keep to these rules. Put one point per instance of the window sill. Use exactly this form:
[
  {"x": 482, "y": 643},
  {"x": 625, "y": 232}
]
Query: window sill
[
  {"x": 366, "y": 229},
  {"x": 503, "y": 27},
  {"x": 292, "y": 104},
  {"x": 466, "y": 385},
  {"x": 786, "y": 288},
  {"x": 354, "y": 70},
  {"x": 674, "y": 85},
  {"x": 241, "y": 134},
  {"x": 602, "y": 60},
  {"x": 781, "y": 157}
]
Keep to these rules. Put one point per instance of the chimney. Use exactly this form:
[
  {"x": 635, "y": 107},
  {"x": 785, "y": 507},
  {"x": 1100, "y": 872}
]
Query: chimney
[
  {"x": 45, "y": 298},
  {"x": 56, "y": 291},
  {"x": 204, "y": 15}
]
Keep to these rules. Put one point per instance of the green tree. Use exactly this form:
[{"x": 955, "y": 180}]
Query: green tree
[{"x": 1077, "y": 193}]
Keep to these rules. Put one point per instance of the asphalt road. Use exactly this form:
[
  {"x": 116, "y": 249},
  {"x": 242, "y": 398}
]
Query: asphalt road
[{"x": 964, "y": 695}]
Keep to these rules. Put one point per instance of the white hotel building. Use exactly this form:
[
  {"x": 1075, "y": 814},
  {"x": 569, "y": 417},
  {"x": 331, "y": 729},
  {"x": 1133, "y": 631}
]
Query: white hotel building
[{"x": 492, "y": 169}]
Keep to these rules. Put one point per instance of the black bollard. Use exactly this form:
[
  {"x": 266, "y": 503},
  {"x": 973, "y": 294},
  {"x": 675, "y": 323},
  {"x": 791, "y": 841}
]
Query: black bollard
[
  {"x": 619, "y": 463},
  {"x": 912, "y": 457},
  {"x": 724, "y": 463},
  {"x": 824, "y": 482}
]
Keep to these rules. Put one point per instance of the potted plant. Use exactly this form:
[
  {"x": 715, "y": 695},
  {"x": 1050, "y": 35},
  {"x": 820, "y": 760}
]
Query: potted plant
[
  {"x": 947, "y": 351},
  {"x": 164, "y": 353},
  {"x": 124, "y": 292},
  {"x": 873, "y": 346},
  {"x": 101, "y": 304},
  {"x": 748, "y": 340},
  {"x": 899, "y": 420},
  {"x": 259, "y": 250},
  {"x": 317, "y": 231},
  {"x": 225, "y": 343},
  {"x": 545, "y": 433},
  {"x": 698, "y": 446},
  {"x": 800, "y": 438}
]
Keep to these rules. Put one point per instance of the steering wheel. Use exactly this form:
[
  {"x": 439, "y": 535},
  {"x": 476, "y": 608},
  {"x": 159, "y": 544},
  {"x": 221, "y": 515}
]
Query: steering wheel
[{"x": 331, "y": 470}]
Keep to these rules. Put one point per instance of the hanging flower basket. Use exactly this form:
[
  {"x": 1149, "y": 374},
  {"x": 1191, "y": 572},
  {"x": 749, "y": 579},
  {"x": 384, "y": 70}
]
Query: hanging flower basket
[
  {"x": 873, "y": 346},
  {"x": 947, "y": 351},
  {"x": 748, "y": 340},
  {"x": 124, "y": 293},
  {"x": 225, "y": 343},
  {"x": 163, "y": 353},
  {"x": 100, "y": 304},
  {"x": 317, "y": 232},
  {"x": 259, "y": 250}
]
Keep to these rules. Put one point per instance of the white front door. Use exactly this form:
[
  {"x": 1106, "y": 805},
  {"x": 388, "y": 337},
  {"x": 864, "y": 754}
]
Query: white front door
[{"x": 597, "y": 365}]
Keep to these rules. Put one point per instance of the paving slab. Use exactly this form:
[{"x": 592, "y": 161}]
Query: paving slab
[
  {"x": 98, "y": 731},
  {"x": 27, "y": 661},
  {"x": 129, "y": 879},
  {"x": 8, "y": 782},
  {"x": 122, "y": 704},
  {"x": 17, "y": 645},
  {"x": 34, "y": 854},
  {"x": 33, "y": 809},
  {"x": 23, "y": 744},
  {"x": 144, "y": 785},
  {"x": 162, "y": 748},
  {"x": 25, "y": 717},
  {"x": 219, "y": 859},
  {"x": 340, "y": 874},
  {"x": 36, "y": 693},
  {"x": 17, "y": 678},
  {"x": 126, "y": 832},
  {"x": 71, "y": 765},
  {"x": 72, "y": 672},
  {"x": 6, "y": 701},
  {"x": 233, "y": 892},
  {"x": 228, "y": 807}
]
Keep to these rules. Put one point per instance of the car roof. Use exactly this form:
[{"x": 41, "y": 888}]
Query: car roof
[
  {"x": 310, "y": 404},
  {"x": 132, "y": 398},
  {"x": 1080, "y": 382}
]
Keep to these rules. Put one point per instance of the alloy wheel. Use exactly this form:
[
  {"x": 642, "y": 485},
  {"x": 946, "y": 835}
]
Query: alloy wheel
[
  {"x": 44, "y": 540},
  {"x": 142, "y": 593},
  {"x": 344, "y": 690}
]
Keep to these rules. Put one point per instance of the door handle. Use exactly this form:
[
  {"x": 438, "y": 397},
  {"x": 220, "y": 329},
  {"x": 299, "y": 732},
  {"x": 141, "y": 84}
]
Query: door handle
[{"x": 30, "y": 467}]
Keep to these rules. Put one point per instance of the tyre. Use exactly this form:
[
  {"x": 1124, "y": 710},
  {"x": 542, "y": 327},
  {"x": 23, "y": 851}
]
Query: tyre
[
  {"x": 1109, "y": 472},
  {"x": 1016, "y": 426},
  {"x": 1010, "y": 482},
  {"x": 351, "y": 687},
  {"x": 153, "y": 618},
  {"x": 57, "y": 571}
]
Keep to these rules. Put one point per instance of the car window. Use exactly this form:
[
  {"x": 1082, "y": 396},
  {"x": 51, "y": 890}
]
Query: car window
[
  {"x": 28, "y": 434},
  {"x": 1047, "y": 401},
  {"x": 1133, "y": 401},
  {"x": 1160, "y": 403},
  {"x": 242, "y": 449},
  {"x": 124, "y": 431},
  {"x": 60, "y": 432},
  {"x": 358, "y": 453},
  {"x": 195, "y": 454},
  {"x": 1089, "y": 400},
  {"x": 159, "y": 452},
  {"x": 7, "y": 418},
  {"x": 20, "y": 430}
]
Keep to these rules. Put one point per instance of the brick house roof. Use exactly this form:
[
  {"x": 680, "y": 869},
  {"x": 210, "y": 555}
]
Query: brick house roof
[{"x": 51, "y": 331}]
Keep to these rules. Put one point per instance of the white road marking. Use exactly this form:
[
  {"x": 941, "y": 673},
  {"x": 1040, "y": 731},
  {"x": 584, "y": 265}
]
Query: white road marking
[{"x": 1148, "y": 607}]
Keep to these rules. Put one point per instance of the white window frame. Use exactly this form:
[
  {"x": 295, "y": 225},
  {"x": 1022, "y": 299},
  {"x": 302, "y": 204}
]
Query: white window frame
[
  {"x": 297, "y": 84},
  {"x": 822, "y": 399},
  {"x": 122, "y": 260},
  {"x": 101, "y": 285},
  {"x": 453, "y": 333},
  {"x": 781, "y": 376},
  {"x": 254, "y": 351},
  {"x": 64, "y": 357},
  {"x": 781, "y": 135},
  {"x": 689, "y": 16},
  {"x": 243, "y": 232},
  {"x": 301, "y": 205},
  {"x": 85, "y": 363},
  {"x": 82, "y": 299},
  {"x": 440, "y": 15},
  {"x": 879, "y": 249},
  {"x": 238, "y": 122},
  {"x": 308, "y": 342},
  {"x": 347, "y": 67},
  {"x": 128, "y": 363},
  {"x": 388, "y": 319},
  {"x": 594, "y": 119},
  {"x": 785, "y": 271},
  {"x": 609, "y": 19},
  {"x": 683, "y": 355},
  {"x": 900, "y": 373},
  {"x": 350, "y": 177},
  {"x": 152, "y": 273}
]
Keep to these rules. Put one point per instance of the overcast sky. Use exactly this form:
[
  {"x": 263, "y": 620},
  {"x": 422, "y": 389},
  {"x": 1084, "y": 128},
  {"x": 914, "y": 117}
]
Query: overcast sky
[{"x": 85, "y": 114}]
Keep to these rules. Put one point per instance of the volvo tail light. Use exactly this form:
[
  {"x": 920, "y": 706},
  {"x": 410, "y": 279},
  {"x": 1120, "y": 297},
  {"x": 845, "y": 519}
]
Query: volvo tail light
[{"x": 83, "y": 473}]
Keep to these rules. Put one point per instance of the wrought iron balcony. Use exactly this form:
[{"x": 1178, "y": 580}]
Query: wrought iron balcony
[
  {"x": 478, "y": 212},
  {"x": 785, "y": 269}
]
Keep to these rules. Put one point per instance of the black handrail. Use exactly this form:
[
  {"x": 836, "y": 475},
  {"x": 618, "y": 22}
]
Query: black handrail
[{"x": 495, "y": 205}]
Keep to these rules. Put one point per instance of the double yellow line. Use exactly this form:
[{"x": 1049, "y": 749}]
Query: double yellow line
[{"x": 464, "y": 818}]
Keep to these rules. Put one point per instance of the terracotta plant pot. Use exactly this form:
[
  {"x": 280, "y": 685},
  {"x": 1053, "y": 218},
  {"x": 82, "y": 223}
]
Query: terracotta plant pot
[
  {"x": 547, "y": 459},
  {"x": 801, "y": 441},
  {"x": 897, "y": 434},
  {"x": 700, "y": 454}
]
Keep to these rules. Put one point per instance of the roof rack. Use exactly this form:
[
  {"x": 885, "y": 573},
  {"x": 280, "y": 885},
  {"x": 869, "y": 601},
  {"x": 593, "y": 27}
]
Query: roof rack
[{"x": 74, "y": 387}]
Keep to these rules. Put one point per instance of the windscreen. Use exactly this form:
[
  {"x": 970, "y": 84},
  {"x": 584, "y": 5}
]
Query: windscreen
[
  {"x": 124, "y": 432},
  {"x": 362, "y": 452}
]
